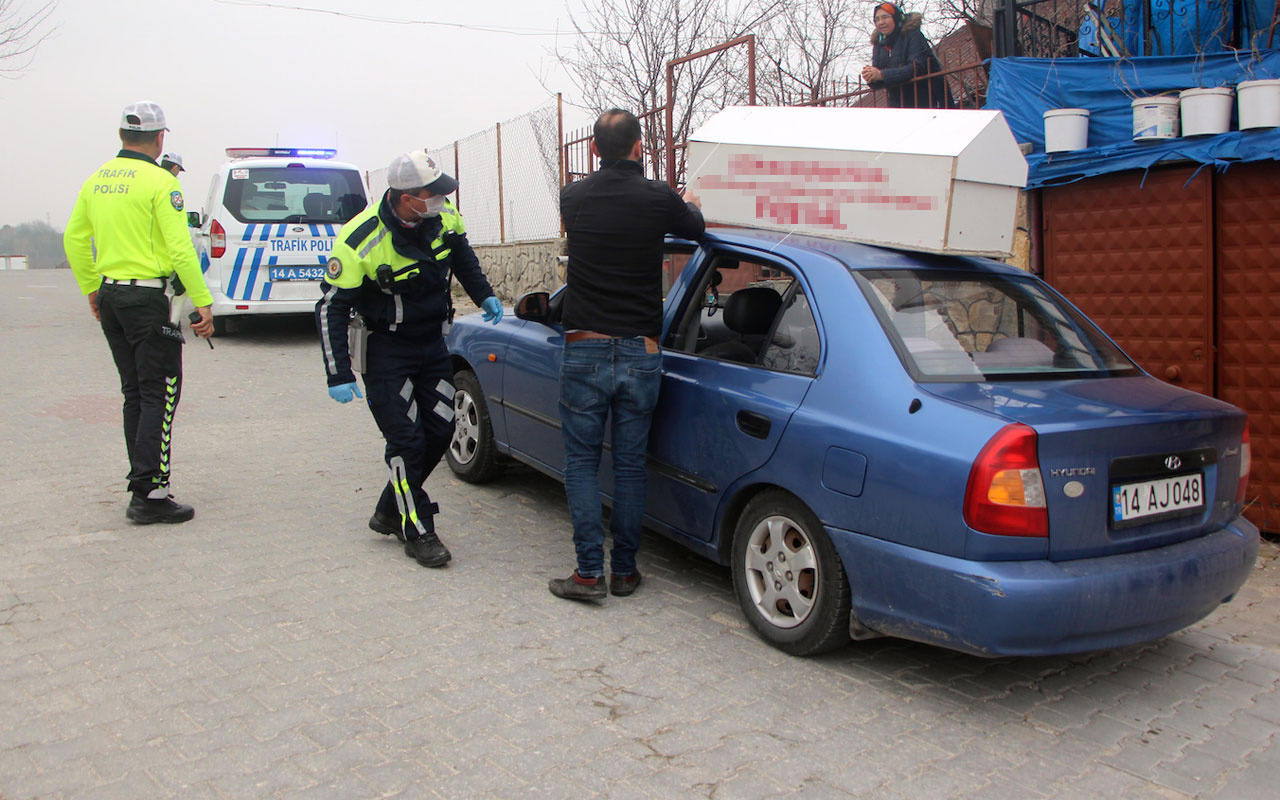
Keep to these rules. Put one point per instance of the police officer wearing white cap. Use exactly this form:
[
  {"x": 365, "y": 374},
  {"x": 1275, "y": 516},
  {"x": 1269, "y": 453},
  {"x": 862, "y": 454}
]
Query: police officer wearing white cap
[
  {"x": 173, "y": 162},
  {"x": 392, "y": 265},
  {"x": 127, "y": 242}
]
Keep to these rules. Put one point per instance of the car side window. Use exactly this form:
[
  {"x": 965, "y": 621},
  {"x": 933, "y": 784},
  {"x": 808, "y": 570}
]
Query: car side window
[
  {"x": 674, "y": 259},
  {"x": 737, "y": 307},
  {"x": 794, "y": 346}
]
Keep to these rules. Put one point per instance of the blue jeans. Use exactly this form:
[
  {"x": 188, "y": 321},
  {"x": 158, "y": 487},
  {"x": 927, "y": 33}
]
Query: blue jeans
[{"x": 600, "y": 378}]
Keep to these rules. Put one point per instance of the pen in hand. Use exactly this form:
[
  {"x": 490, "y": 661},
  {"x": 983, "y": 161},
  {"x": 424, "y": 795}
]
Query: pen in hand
[{"x": 194, "y": 317}]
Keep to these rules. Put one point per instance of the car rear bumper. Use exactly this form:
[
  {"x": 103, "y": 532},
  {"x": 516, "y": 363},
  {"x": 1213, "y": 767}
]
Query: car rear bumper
[
  {"x": 224, "y": 307},
  {"x": 994, "y": 608}
]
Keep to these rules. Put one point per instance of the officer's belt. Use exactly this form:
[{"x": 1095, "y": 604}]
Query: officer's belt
[{"x": 150, "y": 283}]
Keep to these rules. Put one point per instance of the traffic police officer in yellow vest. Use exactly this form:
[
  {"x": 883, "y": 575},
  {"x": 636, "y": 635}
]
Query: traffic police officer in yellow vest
[
  {"x": 386, "y": 297},
  {"x": 128, "y": 246}
]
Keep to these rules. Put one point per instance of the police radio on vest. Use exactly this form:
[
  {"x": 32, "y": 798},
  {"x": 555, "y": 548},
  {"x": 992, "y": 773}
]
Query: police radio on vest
[{"x": 279, "y": 152}]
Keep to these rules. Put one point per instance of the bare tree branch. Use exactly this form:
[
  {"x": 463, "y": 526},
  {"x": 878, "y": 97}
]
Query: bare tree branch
[{"x": 20, "y": 34}]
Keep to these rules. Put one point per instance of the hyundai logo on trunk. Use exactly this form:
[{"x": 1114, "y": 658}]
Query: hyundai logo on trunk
[{"x": 1173, "y": 462}]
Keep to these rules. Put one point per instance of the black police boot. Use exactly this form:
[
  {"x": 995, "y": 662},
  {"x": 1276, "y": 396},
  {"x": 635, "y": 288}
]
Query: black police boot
[
  {"x": 386, "y": 524},
  {"x": 428, "y": 550},
  {"x": 144, "y": 512}
]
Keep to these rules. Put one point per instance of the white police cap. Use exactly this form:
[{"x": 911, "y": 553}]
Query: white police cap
[
  {"x": 144, "y": 116},
  {"x": 416, "y": 170}
]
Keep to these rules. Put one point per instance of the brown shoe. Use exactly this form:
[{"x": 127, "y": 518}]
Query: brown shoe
[
  {"x": 623, "y": 585},
  {"x": 577, "y": 588}
]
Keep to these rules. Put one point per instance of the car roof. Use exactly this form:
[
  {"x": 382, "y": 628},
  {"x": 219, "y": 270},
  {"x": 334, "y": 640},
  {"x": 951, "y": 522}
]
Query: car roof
[{"x": 854, "y": 255}]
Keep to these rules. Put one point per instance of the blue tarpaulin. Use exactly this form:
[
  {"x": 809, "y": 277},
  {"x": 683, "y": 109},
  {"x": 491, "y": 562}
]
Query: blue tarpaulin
[
  {"x": 1175, "y": 27},
  {"x": 1024, "y": 88}
]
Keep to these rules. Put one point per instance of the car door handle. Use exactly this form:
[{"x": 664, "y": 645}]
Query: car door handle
[{"x": 753, "y": 424}]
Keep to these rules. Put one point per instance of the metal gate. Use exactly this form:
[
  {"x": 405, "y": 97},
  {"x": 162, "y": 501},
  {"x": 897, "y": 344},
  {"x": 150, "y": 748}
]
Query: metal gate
[
  {"x": 1248, "y": 256},
  {"x": 1178, "y": 265},
  {"x": 1137, "y": 257}
]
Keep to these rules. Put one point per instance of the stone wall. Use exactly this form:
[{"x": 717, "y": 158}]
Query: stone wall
[
  {"x": 1021, "y": 257},
  {"x": 514, "y": 269}
]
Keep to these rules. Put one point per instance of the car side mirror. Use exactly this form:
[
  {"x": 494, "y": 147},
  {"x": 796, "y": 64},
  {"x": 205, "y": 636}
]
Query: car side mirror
[
  {"x": 193, "y": 219},
  {"x": 535, "y": 307}
]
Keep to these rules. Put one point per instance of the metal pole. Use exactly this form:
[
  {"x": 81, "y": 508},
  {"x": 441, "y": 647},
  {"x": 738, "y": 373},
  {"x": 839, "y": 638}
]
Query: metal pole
[
  {"x": 502, "y": 222},
  {"x": 458, "y": 194},
  {"x": 670, "y": 133},
  {"x": 560, "y": 147},
  {"x": 751, "y": 69}
]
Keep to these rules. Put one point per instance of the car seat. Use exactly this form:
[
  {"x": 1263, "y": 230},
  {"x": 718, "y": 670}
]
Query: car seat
[
  {"x": 749, "y": 313},
  {"x": 315, "y": 205}
]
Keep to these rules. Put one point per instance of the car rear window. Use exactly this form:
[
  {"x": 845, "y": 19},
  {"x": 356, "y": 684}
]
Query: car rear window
[
  {"x": 958, "y": 326},
  {"x": 293, "y": 194}
]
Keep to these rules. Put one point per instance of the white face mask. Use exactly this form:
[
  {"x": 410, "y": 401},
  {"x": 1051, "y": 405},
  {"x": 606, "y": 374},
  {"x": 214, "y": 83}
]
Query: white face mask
[{"x": 435, "y": 204}]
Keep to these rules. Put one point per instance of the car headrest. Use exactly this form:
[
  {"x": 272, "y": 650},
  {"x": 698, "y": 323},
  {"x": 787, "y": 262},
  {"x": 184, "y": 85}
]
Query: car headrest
[
  {"x": 750, "y": 311},
  {"x": 315, "y": 204}
]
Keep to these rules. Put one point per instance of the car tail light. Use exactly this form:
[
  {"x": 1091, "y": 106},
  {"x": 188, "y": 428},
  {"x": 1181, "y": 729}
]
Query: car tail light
[
  {"x": 217, "y": 239},
  {"x": 1005, "y": 494},
  {"x": 1246, "y": 464}
]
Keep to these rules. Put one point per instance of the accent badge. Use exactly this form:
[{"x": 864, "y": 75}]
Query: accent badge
[
  {"x": 334, "y": 268},
  {"x": 176, "y": 199}
]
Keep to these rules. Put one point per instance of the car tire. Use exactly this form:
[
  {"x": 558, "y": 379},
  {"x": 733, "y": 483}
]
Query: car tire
[
  {"x": 219, "y": 326},
  {"x": 472, "y": 454},
  {"x": 800, "y": 607}
]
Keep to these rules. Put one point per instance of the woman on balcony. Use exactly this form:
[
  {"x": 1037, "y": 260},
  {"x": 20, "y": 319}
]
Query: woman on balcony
[{"x": 900, "y": 54}]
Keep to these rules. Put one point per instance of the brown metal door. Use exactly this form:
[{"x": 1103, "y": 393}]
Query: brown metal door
[
  {"x": 1137, "y": 257},
  {"x": 1248, "y": 211}
]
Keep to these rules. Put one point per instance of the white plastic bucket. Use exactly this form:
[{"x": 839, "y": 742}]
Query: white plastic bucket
[
  {"x": 1206, "y": 111},
  {"x": 1066, "y": 129},
  {"x": 1259, "y": 103},
  {"x": 1155, "y": 119}
]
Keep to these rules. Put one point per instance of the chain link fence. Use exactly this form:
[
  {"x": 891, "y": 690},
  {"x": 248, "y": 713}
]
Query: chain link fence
[{"x": 508, "y": 177}]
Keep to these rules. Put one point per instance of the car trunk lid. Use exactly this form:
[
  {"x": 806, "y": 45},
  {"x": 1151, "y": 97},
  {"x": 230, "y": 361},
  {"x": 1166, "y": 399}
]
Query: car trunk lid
[{"x": 1127, "y": 463}]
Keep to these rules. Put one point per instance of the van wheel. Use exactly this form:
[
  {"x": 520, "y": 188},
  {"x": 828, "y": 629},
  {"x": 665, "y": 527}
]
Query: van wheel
[
  {"x": 219, "y": 326},
  {"x": 472, "y": 454},
  {"x": 788, "y": 576}
]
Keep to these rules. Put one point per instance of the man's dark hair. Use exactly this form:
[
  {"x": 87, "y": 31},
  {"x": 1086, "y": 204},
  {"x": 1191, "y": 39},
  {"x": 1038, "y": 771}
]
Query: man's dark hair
[
  {"x": 137, "y": 137},
  {"x": 616, "y": 132}
]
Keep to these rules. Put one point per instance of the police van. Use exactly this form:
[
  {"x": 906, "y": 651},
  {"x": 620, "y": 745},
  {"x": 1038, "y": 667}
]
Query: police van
[{"x": 272, "y": 216}]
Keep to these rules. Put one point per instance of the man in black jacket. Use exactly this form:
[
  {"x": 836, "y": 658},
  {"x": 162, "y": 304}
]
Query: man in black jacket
[{"x": 615, "y": 221}]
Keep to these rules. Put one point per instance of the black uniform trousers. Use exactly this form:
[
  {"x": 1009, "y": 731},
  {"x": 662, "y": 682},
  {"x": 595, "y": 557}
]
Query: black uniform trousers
[
  {"x": 148, "y": 355},
  {"x": 409, "y": 384}
]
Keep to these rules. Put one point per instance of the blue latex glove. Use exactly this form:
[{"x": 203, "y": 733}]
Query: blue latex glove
[
  {"x": 345, "y": 393},
  {"x": 492, "y": 309}
]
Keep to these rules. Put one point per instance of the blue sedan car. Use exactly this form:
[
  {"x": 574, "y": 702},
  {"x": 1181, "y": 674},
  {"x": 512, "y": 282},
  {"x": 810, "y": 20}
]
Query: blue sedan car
[{"x": 880, "y": 442}]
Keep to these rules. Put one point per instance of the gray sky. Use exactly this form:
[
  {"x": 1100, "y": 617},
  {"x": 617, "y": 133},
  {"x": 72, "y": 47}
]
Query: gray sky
[{"x": 241, "y": 73}]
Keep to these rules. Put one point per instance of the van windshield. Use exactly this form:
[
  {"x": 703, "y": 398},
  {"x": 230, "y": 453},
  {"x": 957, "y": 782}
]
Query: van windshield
[
  {"x": 294, "y": 194},
  {"x": 950, "y": 325}
]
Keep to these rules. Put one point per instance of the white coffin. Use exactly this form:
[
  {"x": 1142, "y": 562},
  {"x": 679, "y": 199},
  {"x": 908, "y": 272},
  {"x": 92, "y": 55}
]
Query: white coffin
[{"x": 919, "y": 179}]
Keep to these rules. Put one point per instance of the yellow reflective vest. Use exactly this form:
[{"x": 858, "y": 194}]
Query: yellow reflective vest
[
  {"x": 130, "y": 213},
  {"x": 364, "y": 244}
]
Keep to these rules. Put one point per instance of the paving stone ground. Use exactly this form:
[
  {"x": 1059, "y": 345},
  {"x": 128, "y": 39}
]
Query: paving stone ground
[{"x": 276, "y": 648}]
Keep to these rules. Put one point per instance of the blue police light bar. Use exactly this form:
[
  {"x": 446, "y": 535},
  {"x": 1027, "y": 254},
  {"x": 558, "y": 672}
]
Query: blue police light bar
[{"x": 280, "y": 152}]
